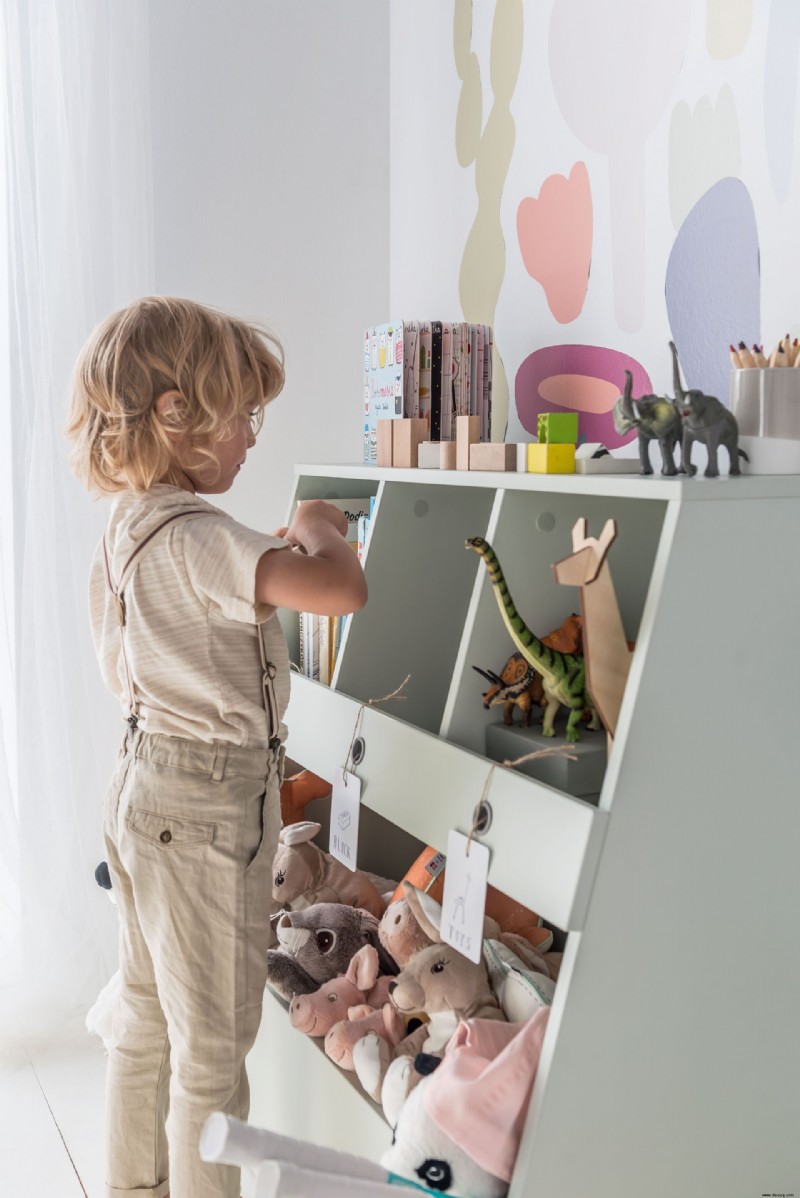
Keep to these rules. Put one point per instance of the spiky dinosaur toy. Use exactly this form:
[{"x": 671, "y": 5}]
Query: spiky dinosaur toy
[{"x": 563, "y": 674}]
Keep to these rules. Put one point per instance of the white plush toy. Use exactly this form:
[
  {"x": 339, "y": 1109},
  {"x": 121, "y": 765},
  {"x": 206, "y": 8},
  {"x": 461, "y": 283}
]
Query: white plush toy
[{"x": 457, "y": 1133}]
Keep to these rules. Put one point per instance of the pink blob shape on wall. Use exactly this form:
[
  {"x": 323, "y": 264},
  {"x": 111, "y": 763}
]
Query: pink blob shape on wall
[
  {"x": 555, "y": 239},
  {"x": 578, "y": 378}
]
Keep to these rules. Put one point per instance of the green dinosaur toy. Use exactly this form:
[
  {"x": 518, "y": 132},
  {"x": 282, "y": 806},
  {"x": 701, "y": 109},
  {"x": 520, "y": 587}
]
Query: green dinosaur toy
[{"x": 563, "y": 674}]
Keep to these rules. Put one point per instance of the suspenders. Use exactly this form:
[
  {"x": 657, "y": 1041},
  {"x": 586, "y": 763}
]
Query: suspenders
[{"x": 268, "y": 670}]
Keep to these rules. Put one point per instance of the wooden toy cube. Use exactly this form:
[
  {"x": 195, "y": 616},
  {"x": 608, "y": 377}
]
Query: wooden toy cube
[
  {"x": 551, "y": 459},
  {"x": 493, "y": 455},
  {"x": 407, "y": 435},
  {"x": 429, "y": 455},
  {"x": 468, "y": 432},
  {"x": 558, "y": 428},
  {"x": 384, "y": 435},
  {"x": 447, "y": 455}
]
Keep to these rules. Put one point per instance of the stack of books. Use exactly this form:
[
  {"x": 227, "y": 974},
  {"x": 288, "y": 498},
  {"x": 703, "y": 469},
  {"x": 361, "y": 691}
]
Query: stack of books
[
  {"x": 321, "y": 636},
  {"x": 434, "y": 369}
]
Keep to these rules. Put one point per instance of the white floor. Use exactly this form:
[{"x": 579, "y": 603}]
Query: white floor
[{"x": 51, "y": 1119}]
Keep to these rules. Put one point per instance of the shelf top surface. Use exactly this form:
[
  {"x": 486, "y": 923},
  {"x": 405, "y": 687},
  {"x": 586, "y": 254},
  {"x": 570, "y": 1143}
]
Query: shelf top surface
[{"x": 754, "y": 486}]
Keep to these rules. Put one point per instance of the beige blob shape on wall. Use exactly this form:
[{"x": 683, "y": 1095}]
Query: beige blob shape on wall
[
  {"x": 704, "y": 147},
  {"x": 490, "y": 147},
  {"x": 728, "y": 25}
]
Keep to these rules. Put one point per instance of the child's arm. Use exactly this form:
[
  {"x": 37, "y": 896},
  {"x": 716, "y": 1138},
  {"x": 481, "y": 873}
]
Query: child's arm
[{"x": 327, "y": 578}]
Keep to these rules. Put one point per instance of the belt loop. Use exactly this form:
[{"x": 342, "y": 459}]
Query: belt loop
[{"x": 220, "y": 756}]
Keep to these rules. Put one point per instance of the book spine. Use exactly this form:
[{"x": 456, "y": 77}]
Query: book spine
[
  {"x": 436, "y": 380},
  {"x": 324, "y": 650},
  {"x": 425, "y": 340}
]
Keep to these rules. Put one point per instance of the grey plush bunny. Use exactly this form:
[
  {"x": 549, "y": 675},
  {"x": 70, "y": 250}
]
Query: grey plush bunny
[
  {"x": 705, "y": 419},
  {"x": 317, "y": 944}
]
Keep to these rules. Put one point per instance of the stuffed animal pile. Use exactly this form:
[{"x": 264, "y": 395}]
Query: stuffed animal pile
[{"x": 428, "y": 1033}]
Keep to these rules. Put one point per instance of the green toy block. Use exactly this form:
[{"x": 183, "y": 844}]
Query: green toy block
[{"x": 558, "y": 428}]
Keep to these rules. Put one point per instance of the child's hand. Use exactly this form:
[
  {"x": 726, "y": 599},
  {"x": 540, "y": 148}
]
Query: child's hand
[{"x": 312, "y": 518}]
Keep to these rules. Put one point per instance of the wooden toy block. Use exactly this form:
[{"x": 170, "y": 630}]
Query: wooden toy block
[
  {"x": 428, "y": 456},
  {"x": 493, "y": 455},
  {"x": 468, "y": 432},
  {"x": 384, "y": 433},
  {"x": 551, "y": 459},
  {"x": 447, "y": 455},
  {"x": 558, "y": 428},
  {"x": 522, "y": 457},
  {"x": 407, "y": 436}
]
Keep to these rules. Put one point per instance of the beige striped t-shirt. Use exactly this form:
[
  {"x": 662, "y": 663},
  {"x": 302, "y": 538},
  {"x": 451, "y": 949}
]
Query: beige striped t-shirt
[{"x": 191, "y": 616}]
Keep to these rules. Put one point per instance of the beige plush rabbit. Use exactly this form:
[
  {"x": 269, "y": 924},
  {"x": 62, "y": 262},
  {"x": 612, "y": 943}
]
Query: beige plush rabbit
[{"x": 303, "y": 874}]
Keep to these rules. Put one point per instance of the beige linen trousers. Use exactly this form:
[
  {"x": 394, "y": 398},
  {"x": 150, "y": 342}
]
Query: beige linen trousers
[{"x": 190, "y": 832}]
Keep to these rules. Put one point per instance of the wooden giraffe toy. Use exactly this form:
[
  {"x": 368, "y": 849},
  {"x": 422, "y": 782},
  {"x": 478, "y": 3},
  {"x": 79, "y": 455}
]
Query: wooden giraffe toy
[
  {"x": 608, "y": 653},
  {"x": 563, "y": 674}
]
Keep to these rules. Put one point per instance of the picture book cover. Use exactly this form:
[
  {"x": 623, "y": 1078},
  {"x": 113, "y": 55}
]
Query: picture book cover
[
  {"x": 488, "y": 346},
  {"x": 383, "y": 382}
]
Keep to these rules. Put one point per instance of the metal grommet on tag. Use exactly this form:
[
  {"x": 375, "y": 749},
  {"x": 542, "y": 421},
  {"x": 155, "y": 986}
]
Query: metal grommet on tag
[
  {"x": 358, "y": 750},
  {"x": 482, "y": 817}
]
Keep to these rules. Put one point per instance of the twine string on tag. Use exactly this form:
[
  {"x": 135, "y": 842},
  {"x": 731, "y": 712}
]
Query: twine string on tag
[
  {"x": 394, "y": 696},
  {"x": 551, "y": 751}
]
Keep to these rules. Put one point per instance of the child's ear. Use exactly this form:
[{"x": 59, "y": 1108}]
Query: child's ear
[{"x": 166, "y": 406}]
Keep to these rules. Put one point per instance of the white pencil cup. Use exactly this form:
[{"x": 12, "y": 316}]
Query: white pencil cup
[{"x": 766, "y": 402}]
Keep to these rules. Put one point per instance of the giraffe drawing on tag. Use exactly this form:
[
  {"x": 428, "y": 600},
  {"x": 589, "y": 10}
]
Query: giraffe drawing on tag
[{"x": 459, "y": 906}]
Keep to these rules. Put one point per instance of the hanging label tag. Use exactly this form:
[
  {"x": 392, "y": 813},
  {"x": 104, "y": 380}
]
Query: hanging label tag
[
  {"x": 464, "y": 898},
  {"x": 345, "y": 808}
]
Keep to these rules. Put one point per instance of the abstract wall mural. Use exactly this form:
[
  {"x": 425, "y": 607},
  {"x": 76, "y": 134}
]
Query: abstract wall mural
[
  {"x": 713, "y": 285},
  {"x": 554, "y": 232},
  {"x": 780, "y": 91},
  {"x": 613, "y": 68},
  {"x": 704, "y": 146},
  {"x": 626, "y": 171},
  {"x": 586, "y": 379},
  {"x": 490, "y": 147}
]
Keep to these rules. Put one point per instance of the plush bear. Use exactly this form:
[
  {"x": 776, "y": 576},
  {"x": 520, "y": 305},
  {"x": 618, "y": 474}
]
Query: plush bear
[
  {"x": 316, "y": 1013},
  {"x": 303, "y": 875},
  {"x": 317, "y": 944}
]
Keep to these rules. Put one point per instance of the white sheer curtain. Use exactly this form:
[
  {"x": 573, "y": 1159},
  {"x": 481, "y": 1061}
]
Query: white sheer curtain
[{"x": 77, "y": 227}]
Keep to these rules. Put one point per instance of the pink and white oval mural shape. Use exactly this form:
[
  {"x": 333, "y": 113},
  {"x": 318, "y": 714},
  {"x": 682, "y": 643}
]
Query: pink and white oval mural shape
[{"x": 586, "y": 379}]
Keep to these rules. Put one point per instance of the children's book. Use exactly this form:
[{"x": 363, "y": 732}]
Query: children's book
[
  {"x": 411, "y": 368},
  {"x": 480, "y": 341},
  {"x": 352, "y": 508},
  {"x": 488, "y": 346},
  {"x": 324, "y": 623},
  {"x": 436, "y": 380},
  {"x": 448, "y": 426},
  {"x": 383, "y": 382},
  {"x": 425, "y": 343},
  {"x": 473, "y": 370}
]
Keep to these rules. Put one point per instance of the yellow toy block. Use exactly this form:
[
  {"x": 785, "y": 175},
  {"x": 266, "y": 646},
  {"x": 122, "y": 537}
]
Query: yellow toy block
[{"x": 551, "y": 459}]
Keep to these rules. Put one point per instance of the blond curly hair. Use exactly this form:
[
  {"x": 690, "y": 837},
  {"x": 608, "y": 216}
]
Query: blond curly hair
[{"x": 218, "y": 366}]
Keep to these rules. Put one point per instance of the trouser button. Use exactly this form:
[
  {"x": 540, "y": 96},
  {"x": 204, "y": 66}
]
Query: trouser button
[{"x": 166, "y": 836}]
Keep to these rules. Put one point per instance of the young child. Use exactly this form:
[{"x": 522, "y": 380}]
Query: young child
[{"x": 167, "y": 398}]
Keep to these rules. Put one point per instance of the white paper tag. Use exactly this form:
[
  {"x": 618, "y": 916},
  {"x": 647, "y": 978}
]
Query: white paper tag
[
  {"x": 464, "y": 898},
  {"x": 345, "y": 808}
]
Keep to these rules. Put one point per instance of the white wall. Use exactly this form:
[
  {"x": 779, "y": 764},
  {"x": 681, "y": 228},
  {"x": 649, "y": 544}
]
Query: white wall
[{"x": 271, "y": 190}]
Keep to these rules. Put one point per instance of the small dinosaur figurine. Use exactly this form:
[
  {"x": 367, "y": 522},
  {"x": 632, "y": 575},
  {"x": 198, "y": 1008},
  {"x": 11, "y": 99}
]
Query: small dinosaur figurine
[
  {"x": 518, "y": 684},
  {"x": 563, "y": 674},
  {"x": 705, "y": 419},
  {"x": 655, "y": 419}
]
